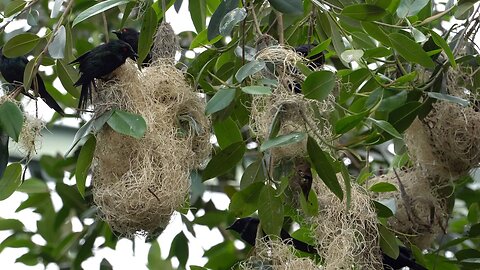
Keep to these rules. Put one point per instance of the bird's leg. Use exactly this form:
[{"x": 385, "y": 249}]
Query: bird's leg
[{"x": 16, "y": 92}]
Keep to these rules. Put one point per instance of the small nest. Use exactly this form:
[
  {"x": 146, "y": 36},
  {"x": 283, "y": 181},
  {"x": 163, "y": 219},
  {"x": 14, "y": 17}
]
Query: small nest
[
  {"x": 166, "y": 43},
  {"x": 29, "y": 141},
  {"x": 420, "y": 214},
  {"x": 447, "y": 142},
  {"x": 138, "y": 183},
  {"x": 346, "y": 239},
  {"x": 295, "y": 112},
  {"x": 274, "y": 254}
]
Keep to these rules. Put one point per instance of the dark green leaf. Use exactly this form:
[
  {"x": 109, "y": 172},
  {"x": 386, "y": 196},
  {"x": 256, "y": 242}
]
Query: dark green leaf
[
  {"x": 56, "y": 49},
  {"x": 473, "y": 213},
  {"x": 28, "y": 258},
  {"x": 270, "y": 211},
  {"x": 383, "y": 187},
  {"x": 83, "y": 164},
  {"x": 231, "y": 19},
  {"x": 126, "y": 12},
  {"x": 214, "y": 26},
  {"x": 388, "y": 242},
  {"x": 29, "y": 73},
  {"x": 467, "y": 254},
  {"x": 376, "y": 32},
  {"x": 474, "y": 230},
  {"x": 4, "y": 155},
  {"x": 202, "y": 40},
  {"x": 257, "y": 90},
  {"x": 310, "y": 206},
  {"x": 443, "y": 44},
  {"x": 220, "y": 100},
  {"x": 10, "y": 181},
  {"x": 409, "y": 8},
  {"x": 387, "y": 127},
  {"x": 11, "y": 224},
  {"x": 14, "y": 7},
  {"x": 410, "y": 50},
  {"x": 128, "y": 123},
  {"x": 319, "y": 85},
  {"x": 98, "y": 8},
  {"x": 224, "y": 161},
  {"x": 293, "y": 7},
  {"x": 402, "y": 117},
  {"x": 323, "y": 167},
  {"x": 253, "y": 173},
  {"x": 11, "y": 119},
  {"x": 33, "y": 186},
  {"x": 145, "y": 40},
  {"x": 448, "y": 98},
  {"x": 20, "y": 45},
  {"x": 82, "y": 132},
  {"x": 198, "y": 14},
  {"x": 179, "y": 248},
  {"x": 283, "y": 140},
  {"x": 227, "y": 132},
  {"x": 249, "y": 69},
  {"x": 245, "y": 201},
  {"x": 155, "y": 260},
  {"x": 348, "y": 122},
  {"x": 68, "y": 76},
  {"x": 364, "y": 12},
  {"x": 320, "y": 47}
]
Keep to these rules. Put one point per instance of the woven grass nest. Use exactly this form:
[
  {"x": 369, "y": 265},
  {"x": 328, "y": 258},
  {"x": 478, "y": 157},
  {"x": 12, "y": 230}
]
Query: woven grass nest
[{"x": 139, "y": 183}]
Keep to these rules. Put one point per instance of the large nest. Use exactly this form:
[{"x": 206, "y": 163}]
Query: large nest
[
  {"x": 294, "y": 112},
  {"x": 271, "y": 253},
  {"x": 346, "y": 237},
  {"x": 447, "y": 141},
  {"x": 138, "y": 183},
  {"x": 421, "y": 214}
]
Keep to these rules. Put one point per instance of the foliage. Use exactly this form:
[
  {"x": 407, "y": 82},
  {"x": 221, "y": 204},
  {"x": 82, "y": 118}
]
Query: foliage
[{"x": 388, "y": 61}]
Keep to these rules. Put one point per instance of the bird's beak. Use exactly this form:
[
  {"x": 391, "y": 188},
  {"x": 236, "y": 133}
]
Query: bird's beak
[{"x": 116, "y": 32}]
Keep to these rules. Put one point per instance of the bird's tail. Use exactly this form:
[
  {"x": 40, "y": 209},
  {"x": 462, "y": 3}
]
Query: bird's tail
[
  {"x": 84, "y": 96},
  {"x": 49, "y": 100}
]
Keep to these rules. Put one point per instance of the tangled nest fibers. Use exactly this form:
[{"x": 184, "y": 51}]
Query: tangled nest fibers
[
  {"x": 295, "y": 112},
  {"x": 446, "y": 142},
  {"x": 271, "y": 253},
  {"x": 421, "y": 215},
  {"x": 346, "y": 238},
  {"x": 138, "y": 183}
]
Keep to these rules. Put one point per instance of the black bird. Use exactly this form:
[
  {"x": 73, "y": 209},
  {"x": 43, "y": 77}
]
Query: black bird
[
  {"x": 97, "y": 63},
  {"x": 131, "y": 36},
  {"x": 12, "y": 70},
  {"x": 247, "y": 228},
  {"x": 404, "y": 259},
  {"x": 317, "y": 60}
]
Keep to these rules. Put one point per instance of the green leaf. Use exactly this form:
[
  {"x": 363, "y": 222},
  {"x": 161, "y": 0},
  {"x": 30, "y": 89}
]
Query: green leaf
[
  {"x": 245, "y": 201},
  {"x": 253, "y": 173},
  {"x": 214, "y": 25},
  {"x": 98, "y": 8},
  {"x": 310, "y": 206},
  {"x": 319, "y": 85},
  {"x": 198, "y": 14},
  {"x": 68, "y": 76},
  {"x": 11, "y": 180},
  {"x": 346, "y": 123},
  {"x": 376, "y": 32},
  {"x": 145, "y": 40},
  {"x": 83, "y": 164},
  {"x": 155, "y": 260},
  {"x": 227, "y": 132},
  {"x": 364, "y": 12},
  {"x": 320, "y": 48},
  {"x": 270, "y": 211},
  {"x": 409, "y": 8},
  {"x": 179, "y": 249},
  {"x": 382, "y": 210},
  {"x": 128, "y": 123},
  {"x": 11, "y": 119},
  {"x": 283, "y": 140},
  {"x": 388, "y": 242},
  {"x": 56, "y": 49},
  {"x": 257, "y": 90},
  {"x": 20, "y": 45},
  {"x": 14, "y": 7},
  {"x": 231, "y": 19},
  {"x": 11, "y": 224},
  {"x": 32, "y": 17},
  {"x": 383, "y": 187},
  {"x": 410, "y": 50},
  {"x": 449, "y": 98},
  {"x": 249, "y": 69},
  {"x": 29, "y": 73},
  {"x": 323, "y": 167},
  {"x": 202, "y": 40},
  {"x": 220, "y": 100},
  {"x": 224, "y": 161},
  {"x": 126, "y": 12},
  {"x": 351, "y": 55},
  {"x": 293, "y": 7},
  {"x": 56, "y": 8},
  {"x": 82, "y": 132},
  {"x": 386, "y": 126},
  {"x": 443, "y": 44},
  {"x": 33, "y": 186},
  {"x": 473, "y": 213},
  {"x": 402, "y": 117}
]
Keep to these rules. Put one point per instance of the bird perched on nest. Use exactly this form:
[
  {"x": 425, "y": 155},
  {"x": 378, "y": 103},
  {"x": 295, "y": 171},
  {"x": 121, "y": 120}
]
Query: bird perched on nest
[
  {"x": 131, "y": 36},
  {"x": 247, "y": 228},
  {"x": 12, "y": 70},
  {"x": 317, "y": 60},
  {"x": 97, "y": 63}
]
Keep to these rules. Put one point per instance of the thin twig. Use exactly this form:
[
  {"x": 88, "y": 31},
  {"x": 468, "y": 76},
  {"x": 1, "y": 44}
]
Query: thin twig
[
  {"x": 29, "y": 5},
  {"x": 281, "y": 38},
  {"x": 251, "y": 8},
  {"x": 105, "y": 26}
]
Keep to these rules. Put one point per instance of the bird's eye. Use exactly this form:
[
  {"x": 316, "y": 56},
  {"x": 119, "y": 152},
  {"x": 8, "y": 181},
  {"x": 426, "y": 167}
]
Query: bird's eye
[
  {"x": 125, "y": 49},
  {"x": 124, "y": 30}
]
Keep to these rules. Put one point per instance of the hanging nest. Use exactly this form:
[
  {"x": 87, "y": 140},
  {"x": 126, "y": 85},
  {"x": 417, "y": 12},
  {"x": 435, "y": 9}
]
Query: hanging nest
[
  {"x": 271, "y": 253},
  {"x": 447, "y": 141},
  {"x": 421, "y": 213},
  {"x": 346, "y": 237},
  {"x": 139, "y": 183},
  {"x": 166, "y": 43},
  {"x": 292, "y": 110}
]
